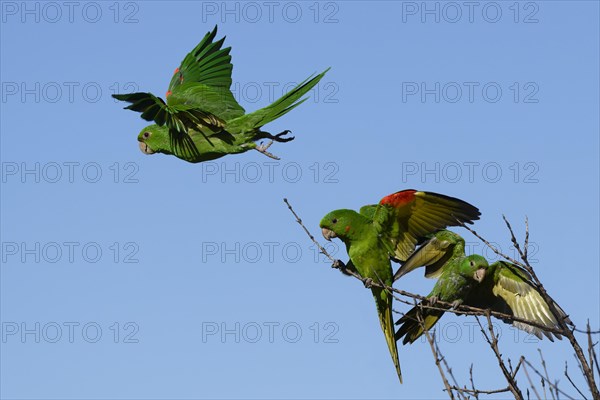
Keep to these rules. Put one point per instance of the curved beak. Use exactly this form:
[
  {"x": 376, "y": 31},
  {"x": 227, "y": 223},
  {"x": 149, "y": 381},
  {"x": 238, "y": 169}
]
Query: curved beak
[
  {"x": 328, "y": 234},
  {"x": 145, "y": 148},
  {"x": 479, "y": 275}
]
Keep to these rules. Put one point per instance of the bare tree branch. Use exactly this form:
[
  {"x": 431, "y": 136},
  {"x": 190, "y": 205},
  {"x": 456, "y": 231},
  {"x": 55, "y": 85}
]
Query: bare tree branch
[
  {"x": 573, "y": 383},
  {"x": 299, "y": 221},
  {"x": 538, "y": 373},
  {"x": 514, "y": 373},
  {"x": 449, "y": 371},
  {"x": 530, "y": 381},
  {"x": 592, "y": 350},
  {"x": 473, "y": 390},
  {"x": 492, "y": 340},
  {"x": 546, "y": 373},
  {"x": 477, "y": 392},
  {"x": 436, "y": 356}
]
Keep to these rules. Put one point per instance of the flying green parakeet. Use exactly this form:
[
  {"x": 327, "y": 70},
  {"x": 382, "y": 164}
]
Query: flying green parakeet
[
  {"x": 470, "y": 280},
  {"x": 201, "y": 120},
  {"x": 390, "y": 231}
]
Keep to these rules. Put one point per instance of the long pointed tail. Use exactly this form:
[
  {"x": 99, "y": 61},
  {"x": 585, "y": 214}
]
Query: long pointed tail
[
  {"x": 411, "y": 328},
  {"x": 384, "y": 309},
  {"x": 281, "y": 106}
]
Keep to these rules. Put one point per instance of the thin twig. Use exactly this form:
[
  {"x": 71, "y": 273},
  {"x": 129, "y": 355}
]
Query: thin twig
[
  {"x": 299, "y": 221},
  {"x": 596, "y": 359},
  {"x": 529, "y": 379},
  {"x": 544, "y": 388},
  {"x": 546, "y": 372},
  {"x": 436, "y": 356},
  {"x": 538, "y": 373},
  {"x": 448, "y": 369},
  {"x": 591, "y": 350},
  {"x": 573, "y": 383},
  {"x": 488, "y": 244},
  {"x": 473, "y": 390},
  {"x": 477, "y": 392},
  {"x": 514, "y": 373},
  {"x": 526, "y": 245},
  {"x": 493, "y": 342}
]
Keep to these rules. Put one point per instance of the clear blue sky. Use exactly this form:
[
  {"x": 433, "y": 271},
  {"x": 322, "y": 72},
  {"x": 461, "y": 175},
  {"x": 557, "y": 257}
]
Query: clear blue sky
[{"x": 131, "y": 276}]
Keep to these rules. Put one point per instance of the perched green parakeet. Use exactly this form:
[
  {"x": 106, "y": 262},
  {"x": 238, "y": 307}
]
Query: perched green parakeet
[
  {"x": 470, "y": 280},
  {"x": 201, "y": 120},
  {"x": 391, "y": 230}
]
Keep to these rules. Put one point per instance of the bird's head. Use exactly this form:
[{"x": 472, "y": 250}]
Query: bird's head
[
  {"x": 342, "y": 224},
  {"x": 153, "y": 139},
  {"x": 474, "y": 267}
]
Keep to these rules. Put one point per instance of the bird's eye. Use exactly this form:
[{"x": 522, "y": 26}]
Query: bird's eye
[
  {"x": 334, "y": 220},
  {"x": 146, "y": 135},
  {"x": 472, "y": 264}
]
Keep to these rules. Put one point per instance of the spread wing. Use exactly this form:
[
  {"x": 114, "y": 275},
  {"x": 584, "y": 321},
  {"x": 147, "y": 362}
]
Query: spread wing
[
  {"x": 434, "y": 254},
  {"x": 198, "y": 95},
  {"x": 204, "y": 79},
  {"x": 405, "y": 218},
  {"x": 178, "y": 117},
  {"x": 510, "y": 290}
]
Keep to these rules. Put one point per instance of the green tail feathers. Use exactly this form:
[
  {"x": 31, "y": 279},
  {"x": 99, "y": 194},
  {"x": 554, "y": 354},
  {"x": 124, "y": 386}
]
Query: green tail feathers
[
  {"x": 384, "y": 310},
  {"x": 412, "y": 328},
  {"x": 279, "y": 107}
]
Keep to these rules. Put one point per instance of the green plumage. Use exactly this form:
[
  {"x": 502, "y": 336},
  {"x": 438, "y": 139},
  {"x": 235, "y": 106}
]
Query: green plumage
[
  {"x": 201, "y": 119},
  {"x": 385, "y": 232},
  {"x": 502, "y": 286}
]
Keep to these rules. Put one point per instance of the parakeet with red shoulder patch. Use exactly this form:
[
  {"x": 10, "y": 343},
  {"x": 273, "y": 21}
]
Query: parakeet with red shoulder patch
[{"x": 389, "y": 231}]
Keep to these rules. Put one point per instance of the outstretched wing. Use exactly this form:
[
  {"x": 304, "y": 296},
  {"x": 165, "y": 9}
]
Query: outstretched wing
[
  {"x": 198, "y": 95},
  {"x": 510, "y": 291},
  {"x": 434, "y": 255},
  {"x": 204, "y": 79},
  {"x": 179, "y": 117},
  {"x": 405, "y": 218}
]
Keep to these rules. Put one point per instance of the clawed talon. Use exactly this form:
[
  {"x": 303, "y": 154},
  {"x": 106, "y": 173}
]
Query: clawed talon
[
  {"x": 456, "y": 304},
  {"x": 339, "y": 264},
  {"x": 368, "y": 282},
  {"x": 279, "y": 137},
  {"x": 432, "y": 300},
  {"x": 262, "y": 148},
  {"x": 272, "y": 138}
]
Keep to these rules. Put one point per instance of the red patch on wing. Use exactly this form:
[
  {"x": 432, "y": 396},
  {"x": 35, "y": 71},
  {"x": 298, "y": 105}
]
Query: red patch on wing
[
  {"x": 399, "y": 199},
  {"x": 176, "y": 70},
  {"x": 168, "y": 94}
]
